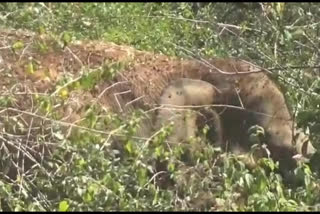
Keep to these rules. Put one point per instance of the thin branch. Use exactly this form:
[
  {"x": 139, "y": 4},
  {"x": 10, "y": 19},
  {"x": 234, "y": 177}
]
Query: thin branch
[
  {"x": 209, "y": 65},
  {"x": 116, "y": 97},
  {"x": 75, "y": 56},
  {"x": 5, "y": 47},
  {"x": 24, "y": 50},
  {"x": 166, "y": 17},
  {"x": 111, "y": 86},
  {"x": 293, "y": 67},
  {"x": 153, "y": 177},
  {"x": 69, "y": 124},
  {"x": 186, "y": 107}
]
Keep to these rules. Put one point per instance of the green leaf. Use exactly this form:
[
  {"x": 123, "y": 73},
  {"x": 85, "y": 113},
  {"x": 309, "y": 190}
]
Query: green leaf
[
  {"x": 30, "y": 68},
  {"x": 66, "y": 38},
  {"x": 142, "y": 176},
  {"x": 87, "y": 197},
  {"x": 129, "y": 147},
  {"x": 63, "y": 206},
  {"x": 171, "y": 167},
  {"x": 18, "y": 45},
  {"x": 249, "y": 180},
  {"x": 263, "y": 184}
]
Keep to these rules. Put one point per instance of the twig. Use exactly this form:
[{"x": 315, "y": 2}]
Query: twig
[
  {"x": 153, "y": 177},
  {"x": 65, "y": 85},
  {"x": 241, "y": 103},
  {"x": 111, "y": 86},
  {"x": 22, "y": 150},
  {"x": 208, "y": 64},
  {"x": 134, "y": 100},
  {"x": 75, "y": 56},
  {"x": 5, "y": 47},
  {"x": 110, "y": 134},
  {"x": 177, "y": 107},
  {"x": 24, "y": 51},
  {"x": 167, "y": 17},
  {"x": 69, "y": 124},
  {"x": 119, "y": 93},
  {"x": 293, "y": 67}
]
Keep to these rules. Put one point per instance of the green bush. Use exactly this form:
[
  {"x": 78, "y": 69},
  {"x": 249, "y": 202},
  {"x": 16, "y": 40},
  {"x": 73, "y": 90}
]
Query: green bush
[{"x": 89, "y": 173}]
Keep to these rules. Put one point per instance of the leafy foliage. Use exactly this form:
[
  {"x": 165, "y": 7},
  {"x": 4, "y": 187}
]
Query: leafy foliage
[{"x": 89, "y": 172}]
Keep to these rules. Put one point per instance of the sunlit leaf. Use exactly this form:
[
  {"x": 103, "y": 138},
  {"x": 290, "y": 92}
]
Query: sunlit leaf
[{"x": 63, "y": 206}]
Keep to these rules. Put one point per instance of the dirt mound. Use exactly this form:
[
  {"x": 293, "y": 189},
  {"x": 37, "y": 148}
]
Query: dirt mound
[{"x": 44, "y": 83}]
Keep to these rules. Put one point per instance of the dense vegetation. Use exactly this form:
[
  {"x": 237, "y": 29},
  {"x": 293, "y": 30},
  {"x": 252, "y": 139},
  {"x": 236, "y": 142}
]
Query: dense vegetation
[{"x": 283, "y": 37}]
